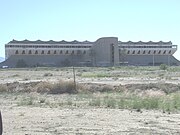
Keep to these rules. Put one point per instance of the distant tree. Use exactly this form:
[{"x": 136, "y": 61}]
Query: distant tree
[{"x": 21, "y": 64}]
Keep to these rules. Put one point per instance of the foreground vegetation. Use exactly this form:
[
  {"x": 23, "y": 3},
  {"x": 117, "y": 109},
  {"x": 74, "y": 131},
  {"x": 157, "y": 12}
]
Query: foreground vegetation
[{"x": 165, "y": 97}]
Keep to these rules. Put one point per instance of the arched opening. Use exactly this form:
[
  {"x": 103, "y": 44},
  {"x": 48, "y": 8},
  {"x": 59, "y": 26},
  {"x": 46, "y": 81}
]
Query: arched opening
[
  {"x": 30, "y": 52},
  {"x": 23, "y": 52},
  {"x": 42, "y": 52},
  {"x": 36, "y": 52},
  {"x": 16, "y": 52}
]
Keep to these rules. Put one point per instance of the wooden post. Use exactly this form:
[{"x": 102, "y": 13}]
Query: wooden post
[
  {"x": 74, "y": 76},
  {"x": 1, "y": 126}
]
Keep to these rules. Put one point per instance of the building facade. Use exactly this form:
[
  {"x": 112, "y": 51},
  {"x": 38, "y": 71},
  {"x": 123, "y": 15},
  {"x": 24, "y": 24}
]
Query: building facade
[{"x": 107, "y": 51}]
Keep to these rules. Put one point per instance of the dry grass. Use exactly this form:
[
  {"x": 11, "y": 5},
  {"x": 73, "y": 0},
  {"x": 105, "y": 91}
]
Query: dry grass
[{"x": 56, "y": 88}]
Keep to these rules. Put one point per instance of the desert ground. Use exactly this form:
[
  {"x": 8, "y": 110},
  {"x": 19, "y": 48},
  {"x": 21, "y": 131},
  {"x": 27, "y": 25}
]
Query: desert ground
[{"x": 111, "y": 101}]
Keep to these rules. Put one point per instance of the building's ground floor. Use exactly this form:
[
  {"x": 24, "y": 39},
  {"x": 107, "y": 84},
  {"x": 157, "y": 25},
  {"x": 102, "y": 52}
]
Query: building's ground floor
[{"x": 69, "y": 60}]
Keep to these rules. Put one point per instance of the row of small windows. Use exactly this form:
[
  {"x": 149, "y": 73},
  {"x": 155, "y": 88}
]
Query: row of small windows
[
  {"x": 51, "y": 52},
  {"x": 150, "y": 52},
  {"x": 146, "y": 46},
  {"x": 44, "y": 46}
]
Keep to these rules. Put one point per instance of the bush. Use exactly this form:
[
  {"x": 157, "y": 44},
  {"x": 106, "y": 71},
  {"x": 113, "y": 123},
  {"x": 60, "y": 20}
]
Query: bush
[
  {"x": 3, "y": 88},
  {"x": 56, "y": 88},
  {"x": 48, "y": 74},
  {"x": 163, "y": 67}
]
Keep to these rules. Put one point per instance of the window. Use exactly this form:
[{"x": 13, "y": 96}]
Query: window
[
  {"x": 133, "y": 52},
  {"x": 23, "y": 52},
  {"x": 49, "y": 52},
  {"x": 159, "y": 52},
  {"x": 84, "y": 52},
  {"x": 30, "y": 52},
  {"x": 170, "y": 52},
  {"x": 128, "y": 52},
  {"x": 164, "y": 52},
  {"x": 36, "y": 52},
  {"x": 78, "y": 52},
  {"x": 144, "y": 52},
  {"x": 154, "y": 52},
  {"x": 72, "y": 52},
  {"x": 42, "y": 52},
  {"x": 149, "y": 52},
  {"x": 55, "y": 52},
  {"x": 67, "y": 52},
  {"x": 139, "y": 52},
  {"x": 16, "y": 52},
  {"x": 61, "y": 52}
]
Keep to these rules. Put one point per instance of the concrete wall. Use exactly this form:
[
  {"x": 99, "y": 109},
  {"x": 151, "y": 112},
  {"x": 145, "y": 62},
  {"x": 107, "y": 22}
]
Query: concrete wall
[
  {"x": 148, "y": 60},
  {"x": 47, "y": 60},
  {"x": 105, "y": 52}
]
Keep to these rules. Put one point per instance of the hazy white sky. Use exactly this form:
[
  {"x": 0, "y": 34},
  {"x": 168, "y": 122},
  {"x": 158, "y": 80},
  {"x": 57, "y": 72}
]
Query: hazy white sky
[{"x": 81, "y": 20}]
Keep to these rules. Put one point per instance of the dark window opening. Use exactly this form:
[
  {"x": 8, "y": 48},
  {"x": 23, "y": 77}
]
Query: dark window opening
[
  {"x": 42, "y": 52},
  {"x": 23, "y": 52},
  {"x": 149, "y": 52},
  {"x": 144, "y": 52},
  {"x": 36, "y": 52},
  {"x": 133, "y": 52},
  {"x": 49, "y": 52},
  {"x": 159, "y": 52},
  {"x": 139, "y": 52},
  {"x": 61, "y": 52},
  {"x": 16, "y": 52},
  {"x": 55, "y": 52},
  {"x": 30, "y": 52},
  {"x": 164, "y": 52}
]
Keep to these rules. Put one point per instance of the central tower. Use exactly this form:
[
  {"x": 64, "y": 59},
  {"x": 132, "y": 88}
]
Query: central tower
[{"x": 105, "y": 52}]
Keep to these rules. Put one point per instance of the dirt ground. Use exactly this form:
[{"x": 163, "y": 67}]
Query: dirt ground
[
  {"x": 36, "y": 120},
  {"x": 48, "y": 121}
]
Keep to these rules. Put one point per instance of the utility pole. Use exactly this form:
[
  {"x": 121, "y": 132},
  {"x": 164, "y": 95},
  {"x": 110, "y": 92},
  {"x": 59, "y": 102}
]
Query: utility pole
[{"x": 74, "y": 74}]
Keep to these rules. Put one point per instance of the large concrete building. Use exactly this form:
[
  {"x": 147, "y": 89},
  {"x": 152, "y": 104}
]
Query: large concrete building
[{"x": 107, "y": 51}]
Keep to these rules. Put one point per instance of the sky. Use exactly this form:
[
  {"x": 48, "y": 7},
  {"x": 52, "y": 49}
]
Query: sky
[{"x": 134, "y": 20}]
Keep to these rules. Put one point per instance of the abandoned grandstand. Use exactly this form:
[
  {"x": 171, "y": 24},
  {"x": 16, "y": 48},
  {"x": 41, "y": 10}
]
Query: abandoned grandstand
[{"x": 107, "y": 51}]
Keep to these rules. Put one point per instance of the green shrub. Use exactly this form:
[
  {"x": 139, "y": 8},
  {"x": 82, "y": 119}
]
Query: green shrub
[
  {"x": 110, "y": 102},
  {"x": 95, "y": 102},
  {"x": 163, "y": 67}
]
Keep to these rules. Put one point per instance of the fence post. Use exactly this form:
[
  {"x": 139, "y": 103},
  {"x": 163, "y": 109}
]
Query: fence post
[{"x": 1, "y": 126}]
